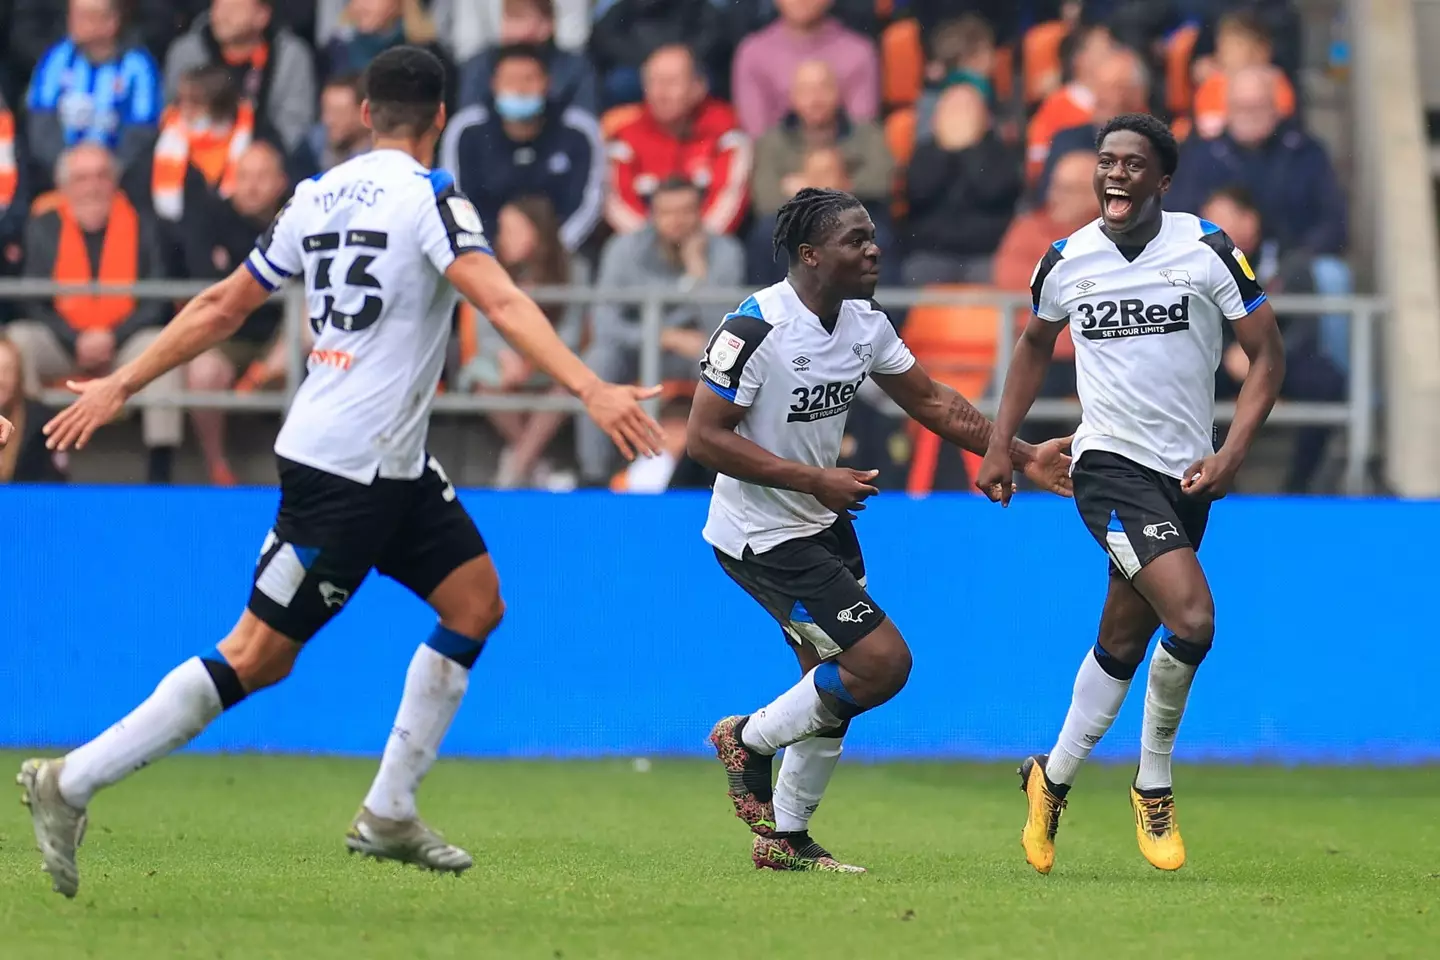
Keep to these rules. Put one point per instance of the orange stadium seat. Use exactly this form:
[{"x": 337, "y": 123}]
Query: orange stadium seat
[
  {"x": 1040, "y": 57},
  {"x": 957, "y": 346},
  {"x": 900, "y": 138},
  {"x": 902, "y": 63},
  {"x": 1003, "y": 74}
]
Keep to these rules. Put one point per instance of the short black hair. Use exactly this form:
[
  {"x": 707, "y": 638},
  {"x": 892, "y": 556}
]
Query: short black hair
[
  {"x": 1237, "y": 194},
  {"x": 805, "y": 218},
  {"x": 1152, "y": 129},
  {"x": 405, "y": 86},
  {"x": 520, "y": 51},
  {"x": 676, "y": 183},
  {"x": 213, "y": 86},
  {"x": 346, "y": 81}
]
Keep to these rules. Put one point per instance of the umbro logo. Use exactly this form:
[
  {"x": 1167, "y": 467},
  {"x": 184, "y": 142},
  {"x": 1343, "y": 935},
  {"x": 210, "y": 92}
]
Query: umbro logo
[
  {"x": 801, "y": 362},
  {"x": 1085, "y": 285}
]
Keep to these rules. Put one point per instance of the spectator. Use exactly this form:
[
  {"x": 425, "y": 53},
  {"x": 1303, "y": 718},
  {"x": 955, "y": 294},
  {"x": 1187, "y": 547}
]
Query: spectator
[
  {"x": 92, "y": 233},
  {"x": 681, "y": 132},
  {"x": 370, "y": 27},
  {"x": 24, "y": 459},
  {"x": 272, "y": 67},
  {"x": 765, "y": 64},
  {"x": 1310, "y": 376},
  {"x": 216, "y": 244},
  {"x": 962, "y": 188},
  {"x": 39, "y": 24},
  {"x": 816, "y": 141},
  {"x": 1242, "y": 42},
  {"x": 201, "y": 141},
  {"x": 521, "y": 145},
  {"x": 657, "y": 474},
  {"x": 1285, "y": 169},
  {"x": 528, "y": 244},
  {"x": 1083, "y": 51},
  {"x": 627, "y": 34},
  {"x": 14, "y": 199},
  {"x": 1122, "y": 85},
  {"x": 467, "y": 27},
  {"x": 95, "y": 86},
  {"x": 962, "y": 51},
  {"x": 1070, "y": 203},
  {"x": 674, "y": 249},
  {"x": 341, "y": 134},
  {"x": 1281, "y": 21},
  {"x": 572, "y": 78}
]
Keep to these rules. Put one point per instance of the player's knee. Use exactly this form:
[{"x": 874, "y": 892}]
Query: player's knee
[
  {"x": 479, "y": 619},
  {"x": 209, "y": 371},
  {"x": 259, "y": 656},
  {"x": 900, "y": 662},
  {"x": 1194, "y": 628}
]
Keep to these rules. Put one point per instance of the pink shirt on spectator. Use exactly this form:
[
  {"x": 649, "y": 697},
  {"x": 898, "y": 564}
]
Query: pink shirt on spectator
[{"x": 765, "y": 64}]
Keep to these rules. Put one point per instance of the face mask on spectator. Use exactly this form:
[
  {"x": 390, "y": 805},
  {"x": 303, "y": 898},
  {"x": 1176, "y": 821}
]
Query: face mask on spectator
[{"x": 519, "y": 106}]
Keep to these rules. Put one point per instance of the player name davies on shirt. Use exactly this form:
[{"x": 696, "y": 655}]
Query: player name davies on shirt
[{"x": 373, "y": 238}]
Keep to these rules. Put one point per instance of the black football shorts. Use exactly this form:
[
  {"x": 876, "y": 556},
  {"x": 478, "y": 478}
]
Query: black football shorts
[
  {"x": 813, "y": 586},
  {"x": 331, "y": 532},
  {"x": 1136, "y": 513}
]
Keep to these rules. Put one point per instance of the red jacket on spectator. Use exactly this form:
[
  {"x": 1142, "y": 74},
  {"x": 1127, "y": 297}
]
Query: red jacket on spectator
[{"x": 713, "y": 153}]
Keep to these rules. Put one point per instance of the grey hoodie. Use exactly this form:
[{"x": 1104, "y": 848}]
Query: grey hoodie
[{"x": 285, "y": 91}]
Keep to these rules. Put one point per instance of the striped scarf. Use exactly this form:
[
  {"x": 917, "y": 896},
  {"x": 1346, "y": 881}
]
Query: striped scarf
[
  {"x": 9, "y": 176},
  {"x": 213, "y": 153}
]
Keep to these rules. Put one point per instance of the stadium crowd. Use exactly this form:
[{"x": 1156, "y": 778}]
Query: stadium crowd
[{"x": 642, "y": 144}]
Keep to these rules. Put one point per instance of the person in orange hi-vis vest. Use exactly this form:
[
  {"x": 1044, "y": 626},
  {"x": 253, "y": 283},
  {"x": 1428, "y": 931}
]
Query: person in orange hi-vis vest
[{"x": 88, "y": 231}]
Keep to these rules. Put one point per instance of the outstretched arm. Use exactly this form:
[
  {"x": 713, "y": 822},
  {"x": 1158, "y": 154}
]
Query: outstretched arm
[
  {"x": 943, "y": 411},
  {"x": 615, "y": 409},
  {"x": 208, "y": 319}
]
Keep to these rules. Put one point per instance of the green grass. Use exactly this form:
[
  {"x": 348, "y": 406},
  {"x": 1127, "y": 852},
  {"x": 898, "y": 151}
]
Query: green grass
[{"x": 239, "y": 857}]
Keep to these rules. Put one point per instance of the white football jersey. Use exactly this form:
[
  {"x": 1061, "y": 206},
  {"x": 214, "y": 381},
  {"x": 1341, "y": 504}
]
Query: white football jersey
[
  {"x": 373, "y": 238},
  {"x": 798, "y": 379},
  {"x": 1147, "y": 332}
]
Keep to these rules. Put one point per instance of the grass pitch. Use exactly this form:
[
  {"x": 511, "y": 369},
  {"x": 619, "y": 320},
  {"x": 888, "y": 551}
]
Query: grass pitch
[{"x": 240, "y": 857}]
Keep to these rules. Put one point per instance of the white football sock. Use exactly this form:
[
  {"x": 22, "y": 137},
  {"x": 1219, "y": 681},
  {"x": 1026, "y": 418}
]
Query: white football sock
[
  {"x": 796, "y": 715},
  {"x": 434, "y": 687},
  {"x": 804, "y": 774},
  {"x": 1166, "y": 692},
  {"x": 183, "y": 704},
  {"x": 1093, "y": 708}
]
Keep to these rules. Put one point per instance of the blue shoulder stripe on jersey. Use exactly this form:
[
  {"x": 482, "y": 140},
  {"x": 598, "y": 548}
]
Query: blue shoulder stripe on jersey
[
  {"x": 1207, "y": 228},
  {"x": 440, "y": 180},
  {"x": 1059, "y": 245},
  {"x": 727, "y": 392},
  {"x": 750, "y": 308},
  {"x": 1253, "y": 304},
  {"x": 259, "y": 278},
  {"x": 316, "y": 178}
]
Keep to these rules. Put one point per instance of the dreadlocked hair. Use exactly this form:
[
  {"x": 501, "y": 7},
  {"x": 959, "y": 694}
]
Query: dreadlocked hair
[{"x": 806, "y": 216}]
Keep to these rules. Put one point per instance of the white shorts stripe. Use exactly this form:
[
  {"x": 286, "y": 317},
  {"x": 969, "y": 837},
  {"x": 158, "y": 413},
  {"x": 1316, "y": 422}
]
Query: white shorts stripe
[
  {"x": 282, "y": 576},
  {"x": 1122, "y": 552}
]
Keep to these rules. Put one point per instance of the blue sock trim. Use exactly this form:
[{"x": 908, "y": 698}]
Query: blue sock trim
[
  {"x": 1112, "y": 666},
  {"x": 1183, "y": 650},
  {"x": 458, "y": 647},
  {"x": 227, "y": 682},
  {"x": 832, "y": 691}
]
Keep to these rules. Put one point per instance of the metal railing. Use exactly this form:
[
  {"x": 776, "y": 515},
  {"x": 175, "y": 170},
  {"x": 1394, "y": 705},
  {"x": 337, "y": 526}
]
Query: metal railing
[{"x": 1356, "y": 414}]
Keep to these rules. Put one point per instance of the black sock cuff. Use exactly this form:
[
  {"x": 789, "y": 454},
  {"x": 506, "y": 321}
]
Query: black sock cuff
[
  {"x": 227, "y": 682},
  {"x": 1112, "y": 665},
  {"x": 835, "y": 733},
  {"x": 1183, "y": 650}
]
